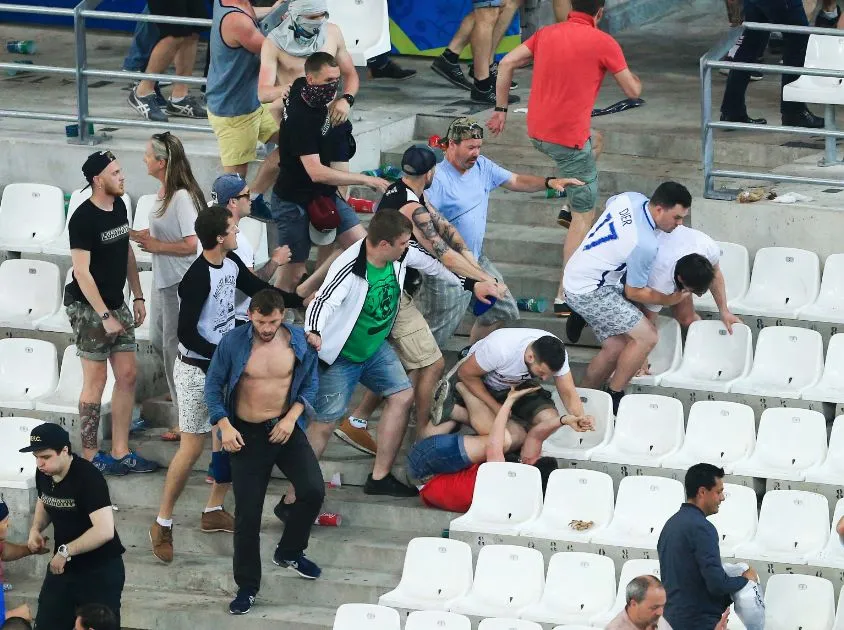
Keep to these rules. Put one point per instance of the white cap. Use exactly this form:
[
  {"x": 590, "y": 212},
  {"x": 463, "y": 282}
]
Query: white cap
[{"x": 318, "y": 237}]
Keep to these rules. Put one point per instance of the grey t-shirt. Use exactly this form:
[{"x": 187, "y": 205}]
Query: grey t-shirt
[{"x": 175, "y": 224}]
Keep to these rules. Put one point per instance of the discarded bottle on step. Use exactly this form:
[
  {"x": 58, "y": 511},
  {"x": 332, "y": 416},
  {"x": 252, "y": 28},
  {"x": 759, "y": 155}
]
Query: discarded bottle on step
[
  {"x": 532, "y": 305},
  {"x": 364, "y": 206},
  {"x": 21, "y": 46},
  {"x": 550, "y": 193},
  {"x": 373, "y": 172},
  {"x": 328, "y": 519},
  {"x": 388, "y": 171}
]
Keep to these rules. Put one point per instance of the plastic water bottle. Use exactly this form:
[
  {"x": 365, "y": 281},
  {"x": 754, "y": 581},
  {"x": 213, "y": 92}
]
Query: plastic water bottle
[
  {"x": 388, "y": 171},
  {"x": 532, "y": 305},
  {"x": 21, "y": 46},
  {"x": 373, "y": 172},
  {"x": 364, "y": 206},
  {"x": 550, "y": 193},
  {"x": 479, "y": 308}
]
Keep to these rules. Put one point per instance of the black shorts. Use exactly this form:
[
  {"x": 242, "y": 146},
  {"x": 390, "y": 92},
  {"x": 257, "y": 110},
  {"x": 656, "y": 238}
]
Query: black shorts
[
  {"x": 527, "y": 407},
  {"x": 179, "y": 8}
]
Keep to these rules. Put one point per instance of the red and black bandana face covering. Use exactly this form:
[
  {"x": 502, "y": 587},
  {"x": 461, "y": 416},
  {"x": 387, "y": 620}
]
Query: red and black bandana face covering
[{"x": 319, "y": 95}]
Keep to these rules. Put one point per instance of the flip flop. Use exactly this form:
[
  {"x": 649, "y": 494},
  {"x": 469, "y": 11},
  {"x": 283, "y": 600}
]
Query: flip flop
[{"x": 171, "y": 436}]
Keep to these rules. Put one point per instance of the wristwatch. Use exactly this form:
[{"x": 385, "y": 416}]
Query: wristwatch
[
  {"x": 105, "y": 315},
  {"x": 350, "y": 99},
  {"x": 547, "y": 180},
  {"x": 63, "y": 552}
]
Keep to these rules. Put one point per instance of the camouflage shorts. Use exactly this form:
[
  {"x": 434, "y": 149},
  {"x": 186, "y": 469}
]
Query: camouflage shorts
[{"x": 90, "y": 336}]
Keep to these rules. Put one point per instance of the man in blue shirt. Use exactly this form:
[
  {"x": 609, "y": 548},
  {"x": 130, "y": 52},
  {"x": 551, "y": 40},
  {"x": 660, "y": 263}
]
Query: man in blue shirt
[
  {"x": 262, "y": 380},
  {"x": 460, "y": 192},
  {"x": 689, "y": 557}
]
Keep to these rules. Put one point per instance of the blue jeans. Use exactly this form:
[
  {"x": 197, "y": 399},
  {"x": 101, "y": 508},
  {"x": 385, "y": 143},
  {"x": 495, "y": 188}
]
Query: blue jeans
[
  {"x": 143, "y": 41},
  {"x": 382, "y": 374},
  {"x": 293, "y": 224},
  {"x": 753, "y": 45},
  {"x": 436, "y": 455}
]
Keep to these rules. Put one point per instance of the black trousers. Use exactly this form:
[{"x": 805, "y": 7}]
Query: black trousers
[
  {"x": 251, "y": 468},
  {"x": 62, "y": 594}
]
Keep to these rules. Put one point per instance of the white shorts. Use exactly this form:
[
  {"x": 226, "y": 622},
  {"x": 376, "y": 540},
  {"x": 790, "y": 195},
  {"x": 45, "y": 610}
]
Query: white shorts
[{"x": 190, "y": 392}]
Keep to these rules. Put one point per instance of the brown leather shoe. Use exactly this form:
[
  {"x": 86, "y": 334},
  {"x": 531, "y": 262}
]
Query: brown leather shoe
[
  {"x": 162, "y": 542},
  {"x": 217, "y": 521},
  {"x": 357, "y": 437}
]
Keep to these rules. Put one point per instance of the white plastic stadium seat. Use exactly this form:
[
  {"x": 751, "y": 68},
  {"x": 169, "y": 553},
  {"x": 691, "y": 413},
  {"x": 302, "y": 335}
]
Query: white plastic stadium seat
[
  {"x": 647, "y": 429},
  {"x": 719, "y": 433},
  {"x": 735, "y": 267},
  {"x": 256, "y": 232},
  {"x": 28, "y": 370},
  {"x": 60, "y": 246},
  {"x": 832, "y": 555},
  {"x": 17, "y": 470},
  {"x": 508, "y": 579},
  {"x": 573, "y": 494},
  {"x": 788, "y": 360},
  {"x": 666, "y": 355},
  {"x": 830, "y": 388},
  {"x": 822, "y": 51},
  {"x": 365, "y": 25},
  {"x": 713, "y": 359},
  {"x": 366, "y": 617},
  {"x": 503, "y": 623},
  {"x": 793, "y": 527},
  {"x": 57, "y": 321},
  {"x": 629, "y": 570},
  {"x": 141, "y": 222},
  {"x": 30, "y": 216},
  {"x": 829, "y": 307},
  {"x": 66, "y": 397},
  {"x": 642, "y": 506},
  {"x": 799, "y": 602},
  {"x": 736, "y": 519},
  {"x": 788, "y": 443},
  {"x": 29, "y": 290},
  {"x": 438, "y": 619},
  {"x": 566, "y": 443},
  {"x": 578, "y": 587},
  {"x": 784, "y": 280},
  {"x": 831, "y": 469},
  {"x": 436, "y": 572},
  {"x": 506, "y": 496},
  {"x": 142, "y": 331}
]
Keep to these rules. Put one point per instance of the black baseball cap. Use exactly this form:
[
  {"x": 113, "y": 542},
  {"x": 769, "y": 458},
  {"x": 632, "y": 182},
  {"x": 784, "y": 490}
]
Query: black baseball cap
[
  {"x": 96, "y": 164},
  {"x": 47, "y": 435},
  {"x": 418, "y": 160}
]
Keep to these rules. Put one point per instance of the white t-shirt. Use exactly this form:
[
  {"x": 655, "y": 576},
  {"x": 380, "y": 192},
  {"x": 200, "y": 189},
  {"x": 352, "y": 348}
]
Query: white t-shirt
[
  {"x": 174, "y": 225},
  {"x": 672, "y": 247},
  {"x": 245, "y": 252},
  {"x": 502, "y": 356},
  {"x": 622, "y": 241}
]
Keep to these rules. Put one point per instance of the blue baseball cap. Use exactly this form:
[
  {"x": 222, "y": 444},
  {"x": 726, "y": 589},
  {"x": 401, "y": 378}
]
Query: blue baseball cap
[{"x": 225, "y": 187}]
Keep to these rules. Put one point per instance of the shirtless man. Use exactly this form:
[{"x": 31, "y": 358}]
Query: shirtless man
[{"x": 262, "y": 380}]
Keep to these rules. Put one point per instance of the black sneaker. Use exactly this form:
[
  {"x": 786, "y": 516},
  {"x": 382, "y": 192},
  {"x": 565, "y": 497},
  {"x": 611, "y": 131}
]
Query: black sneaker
[
  {"x": 493, "y": 73},
  {"x": 389, "y": 485},
  {"x": 147, "y": 106},
  {"x": 300, "y": 563},
  {"x": 451, "y": 72},
  {"x": 822, "y": 21},
  {"x": 561, "y": 309},
  {"x": 488, "y": 97},
  {"x": 574, "y": 327},
  {"x": 242, "y": 604},
  {"x": 188, "y": 107},
  {"x": 616, "y": 399},
  {"x": 282, "y": 509},
  {"x": 754, "y": 75},
  {"x": 564, "y": 217},
  {"x": 392, "y": 70},
  {"x": 464, "y": 352}
]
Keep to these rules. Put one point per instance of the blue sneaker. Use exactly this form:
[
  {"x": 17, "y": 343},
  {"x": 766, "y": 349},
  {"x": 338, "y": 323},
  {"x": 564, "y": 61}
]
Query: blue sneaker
[
  {"x": 134, "y": 463},
  {"x": 260, "y": 209},
  {"x": 300, "y": 563},
  {"x": 107, "y": 465},
  {"x": 242, "y": 604}
]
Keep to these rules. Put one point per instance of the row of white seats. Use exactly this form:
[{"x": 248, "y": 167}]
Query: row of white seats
[
  {"x": 789, "y": 361},
  {"x": 792, "y": 525},
  {"x": 17, "y": 470},
  {"x": 580, "y": 588}
]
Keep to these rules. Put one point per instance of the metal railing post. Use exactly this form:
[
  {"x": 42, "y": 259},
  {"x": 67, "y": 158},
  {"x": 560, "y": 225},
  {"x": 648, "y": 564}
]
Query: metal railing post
[
  {"x": 80, "y": 40},
  {"x": 705, "y": 118}
]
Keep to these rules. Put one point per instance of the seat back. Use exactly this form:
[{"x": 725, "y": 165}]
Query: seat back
[
  {"x": 578, "y": 494},
  {"x": 833, "y": 369},
  {"x": 366, "y": 617},
  {"x": 29, "y": 289},
  {"x": 791, "y": 439},
  {"x": 629, "y": 570},
  {"x": 597, "y": 404},
  {"x": 581, "y": 583},
  {"x": 509, "y": 576},
  {"x": 668, "y": 351},
  {"x": 437, "y": 568},
  {"x": 506, "y": 493},
  {"x": 256, "y": 232},
  {"x": 789, "y": 356},
  {"x": 824, "y": 51},
  {"x": 831, "y": 294},
  {"x": 31, "y": 212},
  {"x": 719, "y": 432},
  {"x": 835, "y": 451},
  {"x": 28, "y": 368},
  {"x": 70, "y": 376},
  {"x": 648, "y": 424},
  {"x": 365, "y": 25},
  {"x": 149, "y": 294},
  {"x": 735, "y": 267},
  {"x": 644, "y": 504},
  {"x": 736, "y": 519},
  {"x": 712, "y": 354},
  {"x": 498, "y": 623},
  {"x": 145, "y": 205},
  {"x": 793, "y": 521},
  {"x": 79, "y": 195},
  {"x": 14, "y": 435},
  {"x": 439, "y": 619},
  {"x": 784, "y": 277},
  {"x": 799, "y": 601}
]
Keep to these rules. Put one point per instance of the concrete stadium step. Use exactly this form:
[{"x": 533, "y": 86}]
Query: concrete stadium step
[{"x": 581, "y": 352}]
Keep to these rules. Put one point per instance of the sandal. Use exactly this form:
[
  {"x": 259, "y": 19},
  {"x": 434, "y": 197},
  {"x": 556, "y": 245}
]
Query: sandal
[{"x": 171, "y": 436}]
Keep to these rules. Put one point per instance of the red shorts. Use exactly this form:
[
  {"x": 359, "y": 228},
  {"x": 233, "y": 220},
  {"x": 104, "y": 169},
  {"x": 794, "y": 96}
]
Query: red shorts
[{"x": 451, "y": 491}]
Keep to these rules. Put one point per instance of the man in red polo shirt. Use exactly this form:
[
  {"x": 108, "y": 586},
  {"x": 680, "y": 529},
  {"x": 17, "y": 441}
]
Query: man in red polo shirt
[{"x": 570, "y": 60}]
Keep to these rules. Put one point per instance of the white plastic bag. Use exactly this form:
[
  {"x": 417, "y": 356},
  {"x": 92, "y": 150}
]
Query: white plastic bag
[{"x": 749, "y": 601}]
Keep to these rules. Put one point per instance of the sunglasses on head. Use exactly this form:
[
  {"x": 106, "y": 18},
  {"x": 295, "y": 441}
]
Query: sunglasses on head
[{"x": 471, "y": 131}]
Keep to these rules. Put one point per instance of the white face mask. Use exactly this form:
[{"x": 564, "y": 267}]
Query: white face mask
[{"x": 307, "y": 28}]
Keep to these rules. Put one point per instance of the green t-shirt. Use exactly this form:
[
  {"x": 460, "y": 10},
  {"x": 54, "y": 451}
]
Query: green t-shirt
[{"x": 376, "y": 316}]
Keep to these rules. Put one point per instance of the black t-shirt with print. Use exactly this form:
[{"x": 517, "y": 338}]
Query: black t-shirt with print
[
  {"x": 69, "y": 504},
  {"x": 106, "y": 235},
  {"x": 396, "y": 197}
]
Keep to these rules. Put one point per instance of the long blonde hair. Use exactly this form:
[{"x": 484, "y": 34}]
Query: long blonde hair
[{"x": 178, "y": 174}]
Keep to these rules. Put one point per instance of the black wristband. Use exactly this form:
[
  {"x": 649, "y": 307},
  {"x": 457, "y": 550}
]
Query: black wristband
[
  {"x": 139, "y": 300},
  {"x": 350, "y": 99},
  {"x": 548, "y": 179},
  {"x": 500, "y": 109}
]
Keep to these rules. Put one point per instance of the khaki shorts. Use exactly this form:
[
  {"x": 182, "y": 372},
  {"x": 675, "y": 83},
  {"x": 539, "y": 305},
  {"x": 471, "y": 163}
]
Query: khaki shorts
[
  {"x": 411, "y": 337},
  {"x": 579, "y": 163},
  {"x": 90, "y": 337},
  {"x": 238, "y": 135}
]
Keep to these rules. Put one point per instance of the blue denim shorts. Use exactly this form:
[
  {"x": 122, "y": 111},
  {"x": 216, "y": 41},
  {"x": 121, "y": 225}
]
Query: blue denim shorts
[
  {"x": 382, "y": 373},
  {"x": 485, "y": 4},
  {"x": 437, "y": 455},
  {"x": 292, "y": 222}
]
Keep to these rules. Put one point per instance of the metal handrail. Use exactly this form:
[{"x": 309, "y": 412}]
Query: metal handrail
[
  {"x": 712, "y": 60},
  {"x": 86, "y": 9}
]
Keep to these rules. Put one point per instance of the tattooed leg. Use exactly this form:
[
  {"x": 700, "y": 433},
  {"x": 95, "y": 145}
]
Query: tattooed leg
[{"x": 89, "y": 415}]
